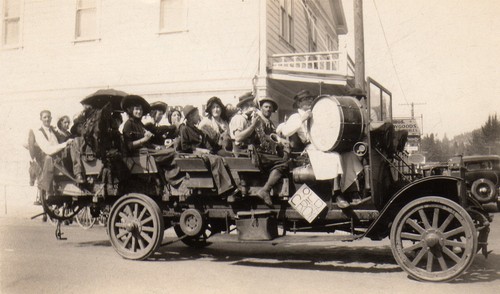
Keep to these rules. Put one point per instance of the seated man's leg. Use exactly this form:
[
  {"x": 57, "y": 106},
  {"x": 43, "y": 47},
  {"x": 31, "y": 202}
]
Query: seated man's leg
[
  {"x": 165, "y": 159},
  {"x": 278, "y": 168},
  {"x": 47, "y": 175},
  {"x": 76, "y": 159},
  {"x": 222, "y": 178}
]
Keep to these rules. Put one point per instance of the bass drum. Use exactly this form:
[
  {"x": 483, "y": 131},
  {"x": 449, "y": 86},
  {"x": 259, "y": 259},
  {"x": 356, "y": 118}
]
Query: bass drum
[{"x": 337, "y": 123}]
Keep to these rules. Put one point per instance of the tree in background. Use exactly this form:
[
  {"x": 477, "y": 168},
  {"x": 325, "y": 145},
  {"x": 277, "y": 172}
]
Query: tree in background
[{"x": 485, "y": 140}]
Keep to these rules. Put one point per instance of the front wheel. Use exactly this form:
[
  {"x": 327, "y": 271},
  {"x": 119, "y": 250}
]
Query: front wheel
[
  {"x": 433, "y": 239},
  {"x": 135, "y": 226}
]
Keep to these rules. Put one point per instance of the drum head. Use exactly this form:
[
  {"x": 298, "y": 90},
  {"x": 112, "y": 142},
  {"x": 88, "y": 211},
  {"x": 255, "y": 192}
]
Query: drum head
[{"x": 326, "y": 123}]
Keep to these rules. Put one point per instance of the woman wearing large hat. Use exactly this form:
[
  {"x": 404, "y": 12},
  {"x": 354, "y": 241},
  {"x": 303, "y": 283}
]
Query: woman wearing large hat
[
  {"x": 135, "y": 134},
  {"x": 215, "y": 124}
]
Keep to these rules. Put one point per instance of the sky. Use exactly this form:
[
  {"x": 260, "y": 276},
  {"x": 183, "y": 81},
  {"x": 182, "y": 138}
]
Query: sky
[{"x": 442, "y": 55}]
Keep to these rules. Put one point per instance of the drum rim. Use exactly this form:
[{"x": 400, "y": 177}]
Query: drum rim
[{"x": 341, "y": 129}]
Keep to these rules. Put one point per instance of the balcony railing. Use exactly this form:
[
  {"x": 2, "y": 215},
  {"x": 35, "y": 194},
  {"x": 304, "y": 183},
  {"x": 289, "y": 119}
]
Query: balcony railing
[{"x": 329, "y": 63}]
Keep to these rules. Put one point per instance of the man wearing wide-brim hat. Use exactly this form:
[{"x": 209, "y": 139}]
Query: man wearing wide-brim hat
[{"x": 255, "y": 127}]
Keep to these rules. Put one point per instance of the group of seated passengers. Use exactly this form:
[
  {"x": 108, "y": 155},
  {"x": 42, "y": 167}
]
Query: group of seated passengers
[{"x": 213, "y": 136}]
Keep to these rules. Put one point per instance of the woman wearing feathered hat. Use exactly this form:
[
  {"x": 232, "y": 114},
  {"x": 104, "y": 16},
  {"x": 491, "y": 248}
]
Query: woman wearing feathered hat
[{"x": 215, "y": 124}]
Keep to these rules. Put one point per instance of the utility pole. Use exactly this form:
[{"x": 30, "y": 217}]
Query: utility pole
[
  {"x": 413, "y": 107},
  {"x": 359, "y": 44}
]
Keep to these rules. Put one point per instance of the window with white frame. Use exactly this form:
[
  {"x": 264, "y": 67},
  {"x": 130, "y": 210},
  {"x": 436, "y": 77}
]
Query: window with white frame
[
  {"x": 286, "y": 20},
  {"x": 173, "y": 16},
  {"x": 86, "y": 20},
  {"x": 11, "y": 28}
]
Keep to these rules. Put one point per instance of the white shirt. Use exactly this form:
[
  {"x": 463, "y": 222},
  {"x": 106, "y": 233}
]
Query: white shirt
[
  {"x": 294, "y": 124},
  {"x": 49, "y": 146}
]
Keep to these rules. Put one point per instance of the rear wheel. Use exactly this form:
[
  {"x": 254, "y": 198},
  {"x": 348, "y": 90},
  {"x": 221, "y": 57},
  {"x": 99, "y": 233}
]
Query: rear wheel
[
  {"x": 85, "y": 219},
  {"x": 135, "y": 226},
  {"x": 433, "y": 239}
]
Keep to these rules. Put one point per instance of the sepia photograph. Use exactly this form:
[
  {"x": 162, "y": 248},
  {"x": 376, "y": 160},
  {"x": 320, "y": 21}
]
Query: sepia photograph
[{"x": 249, "y": 146}]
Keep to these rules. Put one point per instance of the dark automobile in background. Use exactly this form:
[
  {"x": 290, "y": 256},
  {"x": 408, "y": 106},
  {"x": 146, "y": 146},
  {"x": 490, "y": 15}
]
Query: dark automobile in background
[{"x": 482, "y": 175}]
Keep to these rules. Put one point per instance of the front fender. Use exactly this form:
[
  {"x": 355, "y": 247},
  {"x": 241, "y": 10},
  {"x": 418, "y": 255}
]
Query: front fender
[{"x": 444, "y": 186}]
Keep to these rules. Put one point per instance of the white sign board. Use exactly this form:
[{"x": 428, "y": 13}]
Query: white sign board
[
  {"x": 307, "y": 203},
  {"x": 407, "y": 124}
]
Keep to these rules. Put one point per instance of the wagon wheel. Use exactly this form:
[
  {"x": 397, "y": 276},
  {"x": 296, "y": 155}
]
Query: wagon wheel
[
  {"x": 59, "y": 207},
  {"x": 85, "y": 219},
  {"x": 433, "y": 239},
  {"x": 135, "y": 226}
]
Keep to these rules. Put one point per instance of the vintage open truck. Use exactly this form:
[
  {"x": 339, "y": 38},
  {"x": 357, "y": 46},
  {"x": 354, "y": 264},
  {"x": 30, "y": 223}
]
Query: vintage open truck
[{"x": 435, "y": 227}]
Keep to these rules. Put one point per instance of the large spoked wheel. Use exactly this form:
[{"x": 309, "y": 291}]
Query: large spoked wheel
[
  {"x": 433, "y": 239},
  {"x": 59, "y": 207},
  {"x": 135, "y": 226},
  {"x": 85, "y": 219}
]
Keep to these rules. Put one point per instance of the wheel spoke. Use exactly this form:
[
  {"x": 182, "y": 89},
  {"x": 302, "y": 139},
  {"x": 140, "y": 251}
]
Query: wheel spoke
[
  {"x": 148, "y": 229},
  {"x": 121, "y": 225},
  {"x": 141, "y": 243},
  {"x": 454, "y": 232},
  {"x": 123, "y": 215},
  {"x": 430, "y": 260},
  {"x": 143, "y": 211},
  {"x": 435, "y": 218},
  {"x": 419, "y": 256},
  {"x": 150, "y": 218},
  {"x": 442, "y": 263},
  {"x": 127, "y": 210},
  {"x": 133, "y": 244},
  {"x": 411, "y": 236},
  {"x": 136, "y": 209},
  {"x": 447, "y": 221},
  {"x": 424, "y": 218},
  {"x": 454, "y": 243},
  {"x": 452, "y": 255},
  {"x": 416, "y": 226},
  {"x": 125, "y": 243},
  {"x": 413, "y": 247},
  {"x": 121, "y": 234},
  {"x": 146, "y": 237}
]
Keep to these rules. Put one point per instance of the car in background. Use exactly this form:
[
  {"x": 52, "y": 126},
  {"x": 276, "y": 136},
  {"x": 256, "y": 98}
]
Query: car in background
[{"x": 482, "y": 175}]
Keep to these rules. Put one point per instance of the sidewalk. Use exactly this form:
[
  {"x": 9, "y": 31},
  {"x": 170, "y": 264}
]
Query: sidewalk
[{"x": 17, "y": 201}]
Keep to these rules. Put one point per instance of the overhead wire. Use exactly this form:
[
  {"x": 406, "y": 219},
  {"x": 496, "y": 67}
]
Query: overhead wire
[{"x": 390, "y": 53}]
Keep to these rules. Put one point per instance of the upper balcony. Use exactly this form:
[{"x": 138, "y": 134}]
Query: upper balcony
[{"x": 331, "y": 67}]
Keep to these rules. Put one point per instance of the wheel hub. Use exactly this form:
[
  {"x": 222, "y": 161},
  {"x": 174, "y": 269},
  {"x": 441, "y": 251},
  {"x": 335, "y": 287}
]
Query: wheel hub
[
  {"x": 433, "y": 239},
  {"x": 133, "y": 226}
]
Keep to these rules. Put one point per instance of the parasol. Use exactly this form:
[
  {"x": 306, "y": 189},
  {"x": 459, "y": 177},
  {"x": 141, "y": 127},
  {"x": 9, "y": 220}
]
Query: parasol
[{"x": 100, "y": 98}]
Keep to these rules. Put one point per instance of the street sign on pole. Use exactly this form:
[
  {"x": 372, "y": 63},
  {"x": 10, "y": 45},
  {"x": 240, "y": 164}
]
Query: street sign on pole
[{"x": 408, "y": 124}]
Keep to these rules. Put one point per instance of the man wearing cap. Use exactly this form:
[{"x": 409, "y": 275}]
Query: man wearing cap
[
  {"x": 243, "y": 123},
  {"x": 255, "y": 127},
  {"x": 296, "y": 127},
  {"x": 193, "y": 140}
]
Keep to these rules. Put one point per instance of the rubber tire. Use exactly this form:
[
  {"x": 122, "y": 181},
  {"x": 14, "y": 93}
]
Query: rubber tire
[{"x": 477, "y": 184}]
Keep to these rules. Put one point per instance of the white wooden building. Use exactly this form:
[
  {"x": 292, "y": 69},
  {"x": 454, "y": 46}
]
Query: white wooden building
[{"x": 53, "y": 53}]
